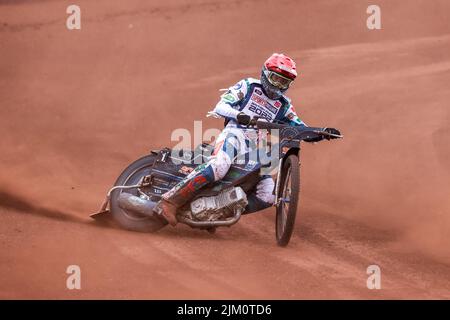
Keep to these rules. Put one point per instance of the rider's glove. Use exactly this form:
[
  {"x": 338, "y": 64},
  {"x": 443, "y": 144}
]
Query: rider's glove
[
  {"x": 332, "y": 131},
  {"x": 243, "y": 118}
]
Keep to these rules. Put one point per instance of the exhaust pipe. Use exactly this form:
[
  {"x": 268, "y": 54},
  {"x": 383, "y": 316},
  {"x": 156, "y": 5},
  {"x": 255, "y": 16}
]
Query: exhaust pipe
[{"x": 130, "y": 202}]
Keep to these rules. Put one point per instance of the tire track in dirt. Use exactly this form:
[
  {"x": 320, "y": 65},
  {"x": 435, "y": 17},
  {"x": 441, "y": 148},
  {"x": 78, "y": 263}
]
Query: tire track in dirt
[{"x": 14, "y": 202}]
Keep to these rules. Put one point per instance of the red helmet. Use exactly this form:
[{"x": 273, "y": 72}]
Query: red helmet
[
  {"x": 281, "y": 64},
  {"x": 278, "y": 73}
]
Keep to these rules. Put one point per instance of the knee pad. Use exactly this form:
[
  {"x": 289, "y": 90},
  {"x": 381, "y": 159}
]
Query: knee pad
[
  {"x": 264, "y": 190},
  {"x": 220, "y": 165}
]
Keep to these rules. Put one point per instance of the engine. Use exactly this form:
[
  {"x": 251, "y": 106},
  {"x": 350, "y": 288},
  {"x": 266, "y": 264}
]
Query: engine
[{"x": 224, "y": 205}]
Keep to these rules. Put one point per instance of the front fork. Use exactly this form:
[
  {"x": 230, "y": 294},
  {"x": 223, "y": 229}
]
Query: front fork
[
  {"x": 278, "y": 198},
  {"x": 277, "y": 185}
]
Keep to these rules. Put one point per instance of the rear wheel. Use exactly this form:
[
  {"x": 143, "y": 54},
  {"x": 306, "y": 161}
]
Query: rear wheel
[
  {"x": 128, "y": 219},
  {"x": 288, "y": 200}
]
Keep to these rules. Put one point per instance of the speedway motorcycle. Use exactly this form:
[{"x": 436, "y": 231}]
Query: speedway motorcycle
[{"x": 132, "y": 199}]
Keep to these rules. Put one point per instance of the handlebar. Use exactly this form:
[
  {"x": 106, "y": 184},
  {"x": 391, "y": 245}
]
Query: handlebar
[{"x": 262, "y": 124}]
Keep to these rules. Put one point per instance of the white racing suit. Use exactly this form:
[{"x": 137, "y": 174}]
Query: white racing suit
[{"x": 235, "y": 141}]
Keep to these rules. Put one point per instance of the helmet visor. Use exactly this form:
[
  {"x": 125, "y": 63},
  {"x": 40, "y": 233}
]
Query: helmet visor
[{"x": 278, "y": 80}]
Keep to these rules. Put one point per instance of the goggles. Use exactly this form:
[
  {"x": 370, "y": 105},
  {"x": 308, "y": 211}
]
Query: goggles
[{"x": 277, "y": 80}]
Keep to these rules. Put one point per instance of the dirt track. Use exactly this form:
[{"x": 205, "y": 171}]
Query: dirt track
[{"x": 77, "y": 106}]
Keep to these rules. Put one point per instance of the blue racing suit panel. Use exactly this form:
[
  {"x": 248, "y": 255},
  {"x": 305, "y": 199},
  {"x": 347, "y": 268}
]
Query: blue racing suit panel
[{"x": 290, "y": 116}]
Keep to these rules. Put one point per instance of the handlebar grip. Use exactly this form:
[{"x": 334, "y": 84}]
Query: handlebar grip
[{"x": 324, "y": 133}]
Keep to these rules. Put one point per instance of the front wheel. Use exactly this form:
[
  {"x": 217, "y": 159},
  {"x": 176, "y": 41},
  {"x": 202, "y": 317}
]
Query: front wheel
[{"x": 288, "y": 200}]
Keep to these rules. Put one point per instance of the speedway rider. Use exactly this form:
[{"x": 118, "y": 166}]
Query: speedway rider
[{"x": 238, "y": 105}]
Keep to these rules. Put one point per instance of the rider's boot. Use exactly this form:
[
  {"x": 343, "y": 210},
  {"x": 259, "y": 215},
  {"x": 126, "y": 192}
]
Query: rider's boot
[
  {"x": 168, "y": 211},
  {"x": 183, "y": 192}
]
